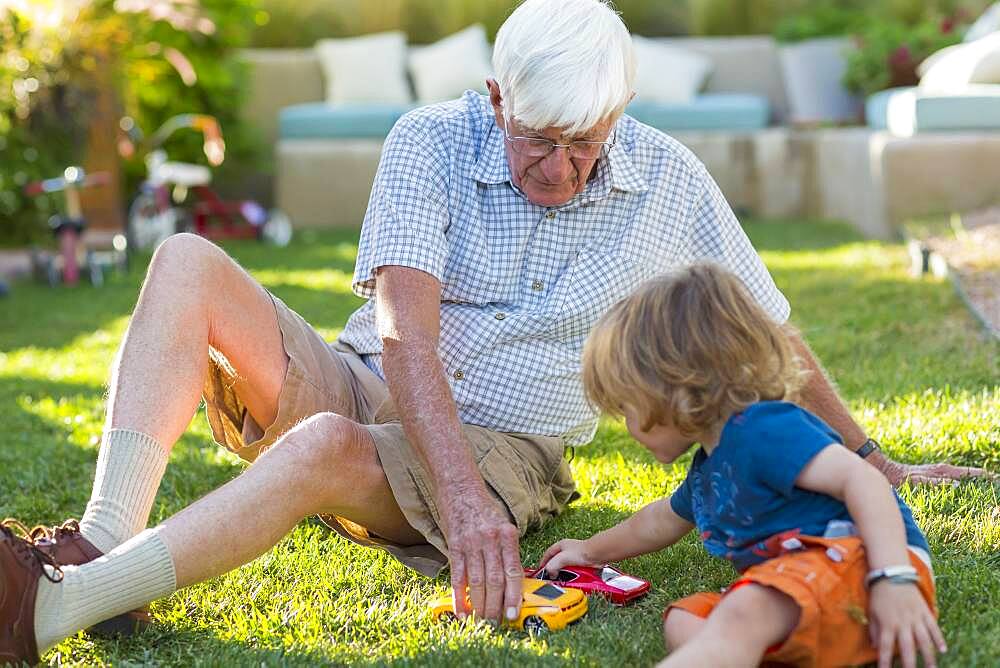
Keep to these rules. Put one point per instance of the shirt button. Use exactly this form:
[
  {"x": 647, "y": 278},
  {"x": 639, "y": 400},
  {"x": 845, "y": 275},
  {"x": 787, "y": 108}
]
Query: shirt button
[
  {"x": 536, "y": 285},
  {"x": 500, "y": 316},
  {"x": 459, "y": 375},
  {"x": 550, "y": 215}
]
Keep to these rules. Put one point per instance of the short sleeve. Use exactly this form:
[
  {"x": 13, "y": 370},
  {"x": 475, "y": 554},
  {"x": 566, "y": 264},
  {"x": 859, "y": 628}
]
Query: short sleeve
[
  {"x": 680, "y": 501},
  {"x": 408, "y": 210},
  {"x": 777, "y": 440},
  {"x": 718, "y": 237}
]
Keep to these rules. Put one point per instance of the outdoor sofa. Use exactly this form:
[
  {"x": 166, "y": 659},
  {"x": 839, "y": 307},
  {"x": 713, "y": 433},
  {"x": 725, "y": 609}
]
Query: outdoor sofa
[{"x": 325, "y": 156}]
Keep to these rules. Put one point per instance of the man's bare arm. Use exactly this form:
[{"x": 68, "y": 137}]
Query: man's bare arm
[
  {"x": 482, "y": 543},
  {"x": 821, "y": 397}
]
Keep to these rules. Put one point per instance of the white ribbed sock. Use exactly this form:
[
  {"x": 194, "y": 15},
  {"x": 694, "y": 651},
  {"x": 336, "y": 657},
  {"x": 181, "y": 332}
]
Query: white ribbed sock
[
  {"x": 130, "y": 465},
  {"x": 130, "y": 576}
]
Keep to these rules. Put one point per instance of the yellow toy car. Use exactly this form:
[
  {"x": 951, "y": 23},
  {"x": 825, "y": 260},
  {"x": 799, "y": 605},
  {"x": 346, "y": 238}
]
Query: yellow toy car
[{"x": 544, "y": 607}]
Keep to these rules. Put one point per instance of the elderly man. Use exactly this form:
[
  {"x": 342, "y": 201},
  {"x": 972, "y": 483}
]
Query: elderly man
[{"x": 499, "y": 229}]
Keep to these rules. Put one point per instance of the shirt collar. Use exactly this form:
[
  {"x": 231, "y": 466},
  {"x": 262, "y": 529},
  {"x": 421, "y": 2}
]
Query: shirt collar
[{"x": 492, "y": 167}]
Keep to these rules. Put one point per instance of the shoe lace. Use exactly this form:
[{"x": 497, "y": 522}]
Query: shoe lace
[
  {"x": 24, "y": 545},
  {"x": 52, "y": 534}
]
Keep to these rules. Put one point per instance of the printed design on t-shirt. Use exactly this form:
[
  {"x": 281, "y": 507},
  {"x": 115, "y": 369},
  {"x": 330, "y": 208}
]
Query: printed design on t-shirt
[{"x": 719, "y": 510}]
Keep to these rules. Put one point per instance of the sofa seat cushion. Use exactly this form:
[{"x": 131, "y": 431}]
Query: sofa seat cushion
[
  {"x": 319, "y": 120},
  {"x": 907, "y": 111},
  {"x": 708, "y": 111}
]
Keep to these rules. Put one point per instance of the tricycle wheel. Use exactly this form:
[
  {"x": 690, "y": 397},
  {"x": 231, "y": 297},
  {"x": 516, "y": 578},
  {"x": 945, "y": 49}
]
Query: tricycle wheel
[
  {"x": 52, "y": 273},
  {"x": 535, "y": 625},
  {"x": 277, "y": 229}
]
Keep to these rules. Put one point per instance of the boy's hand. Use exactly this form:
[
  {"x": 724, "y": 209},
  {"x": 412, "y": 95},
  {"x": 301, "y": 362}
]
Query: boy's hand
[
  {"x": 900, "y": 617},
  {"x": 567, "y": 552}
]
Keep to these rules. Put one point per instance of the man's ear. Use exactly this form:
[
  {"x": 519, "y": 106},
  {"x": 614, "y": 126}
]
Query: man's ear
[{"x": 495, "y": 99}]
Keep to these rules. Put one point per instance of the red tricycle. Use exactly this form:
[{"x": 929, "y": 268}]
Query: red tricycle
[{"x": 162, "y": 206}]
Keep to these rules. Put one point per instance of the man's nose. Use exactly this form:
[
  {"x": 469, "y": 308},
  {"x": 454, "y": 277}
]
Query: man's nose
[{"x": 556, "y": 166}]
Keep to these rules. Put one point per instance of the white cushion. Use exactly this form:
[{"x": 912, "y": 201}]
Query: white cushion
[
  {"x": 976, "y": 62},
  {"x": 988, "y": 21},
  {"x": 371, "y": 68},
  {"x": 668, "y": 73},
  {"x": 447, "y": 68}
]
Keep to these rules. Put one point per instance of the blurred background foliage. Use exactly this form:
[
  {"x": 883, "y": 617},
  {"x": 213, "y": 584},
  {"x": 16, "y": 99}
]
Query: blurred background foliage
[
  {"x": 154, "y": 58},
  {"x": 55, "y": 55}
]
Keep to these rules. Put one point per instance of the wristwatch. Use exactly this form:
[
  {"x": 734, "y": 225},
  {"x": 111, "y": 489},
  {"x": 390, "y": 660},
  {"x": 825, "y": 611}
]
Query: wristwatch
[
  {"x": 894, "y": 574},
  {"x": 868, "y": 447}
]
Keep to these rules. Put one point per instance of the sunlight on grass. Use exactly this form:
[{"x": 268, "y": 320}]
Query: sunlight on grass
[{"x": 907, "y": 357}]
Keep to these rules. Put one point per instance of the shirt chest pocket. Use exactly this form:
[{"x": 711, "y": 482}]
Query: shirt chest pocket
[
  {"x": 592, "y": 284},
  {"x": 476, "y": 271}
]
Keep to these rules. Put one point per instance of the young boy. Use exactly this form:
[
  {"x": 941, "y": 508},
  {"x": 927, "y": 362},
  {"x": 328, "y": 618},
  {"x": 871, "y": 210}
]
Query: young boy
[{"x": 833, "y": 569}]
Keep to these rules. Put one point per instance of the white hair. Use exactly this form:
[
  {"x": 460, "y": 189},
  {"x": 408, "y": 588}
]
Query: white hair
[{"x": 564, "y": 63}]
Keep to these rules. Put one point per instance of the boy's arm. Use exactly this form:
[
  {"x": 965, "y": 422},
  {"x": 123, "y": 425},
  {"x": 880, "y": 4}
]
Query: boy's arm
[
  {"x": 839, "y": 473},
  {"x": 653, "y": 528},
  {"x": 900, "y": 618}
]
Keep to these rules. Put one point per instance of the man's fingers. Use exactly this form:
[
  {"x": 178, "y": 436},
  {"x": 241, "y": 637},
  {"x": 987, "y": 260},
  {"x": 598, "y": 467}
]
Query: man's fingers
[
  {"x": 936, "y": 474},
  {"x": 477, "y": 580},
  {"x": 495, "y": 581},
  {"x": 458, "y": 584},
  {"x": 515, "y": 575}
]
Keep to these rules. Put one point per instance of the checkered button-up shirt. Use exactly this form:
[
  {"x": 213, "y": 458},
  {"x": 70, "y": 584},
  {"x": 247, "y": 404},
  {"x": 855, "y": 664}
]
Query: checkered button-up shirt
[{"x": 522, "y": 284}]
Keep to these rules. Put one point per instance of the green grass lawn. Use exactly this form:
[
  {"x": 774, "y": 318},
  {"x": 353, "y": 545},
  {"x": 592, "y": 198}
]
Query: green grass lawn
[{"x": 908, "y": 358}]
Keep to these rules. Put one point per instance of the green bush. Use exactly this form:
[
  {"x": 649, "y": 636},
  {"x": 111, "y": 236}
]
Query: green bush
[
  {"x": 888, "y": 53},
  {"x": 299, "y": 23},
  {"x": 49, "y": 76},
  {"x": 821, "y": 19}
]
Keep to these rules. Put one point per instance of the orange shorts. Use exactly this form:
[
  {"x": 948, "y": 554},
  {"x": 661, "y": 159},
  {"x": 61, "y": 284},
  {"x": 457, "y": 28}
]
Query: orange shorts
[{"x": 831, "y": 594}]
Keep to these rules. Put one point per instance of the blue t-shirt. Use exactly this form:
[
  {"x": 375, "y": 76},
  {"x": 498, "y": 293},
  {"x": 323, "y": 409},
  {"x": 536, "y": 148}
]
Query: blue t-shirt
[{"x": 745, "y": 493}]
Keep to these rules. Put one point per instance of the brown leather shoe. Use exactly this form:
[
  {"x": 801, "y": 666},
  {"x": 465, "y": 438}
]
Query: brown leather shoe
[
  {"x": 21, "y": 566},
  {"x": 67, "y": 547}
]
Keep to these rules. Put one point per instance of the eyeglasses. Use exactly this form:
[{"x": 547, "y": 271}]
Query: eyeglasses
[{"x": 539, "y": 147}]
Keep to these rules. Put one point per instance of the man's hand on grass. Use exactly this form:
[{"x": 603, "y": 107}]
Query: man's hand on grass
[
  {"x": 936, "y": 474},
  {"x": 484, "y": 555}
]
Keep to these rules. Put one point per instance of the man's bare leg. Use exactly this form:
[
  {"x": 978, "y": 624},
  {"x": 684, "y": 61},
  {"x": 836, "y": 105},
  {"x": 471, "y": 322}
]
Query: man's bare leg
[
  {"x": 326, "y": 464},
  {"x": 194, "y": 296}
]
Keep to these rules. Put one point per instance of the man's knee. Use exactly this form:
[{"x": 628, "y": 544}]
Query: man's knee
[
  {"x": 184, "y": 257},
  {"x": 333, "y": 451}
]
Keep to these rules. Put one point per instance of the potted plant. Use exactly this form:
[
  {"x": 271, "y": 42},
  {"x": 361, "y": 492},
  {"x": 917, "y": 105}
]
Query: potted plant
[
  {"x": 814, "y": 47},
  {"x": 887, "y": 53}
]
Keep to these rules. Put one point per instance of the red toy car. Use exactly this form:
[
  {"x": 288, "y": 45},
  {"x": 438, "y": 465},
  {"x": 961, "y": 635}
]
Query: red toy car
[{"x": 607, "y": 581}]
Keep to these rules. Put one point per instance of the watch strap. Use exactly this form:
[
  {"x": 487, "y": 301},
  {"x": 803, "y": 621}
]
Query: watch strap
[{"x": 868, "y": 447}]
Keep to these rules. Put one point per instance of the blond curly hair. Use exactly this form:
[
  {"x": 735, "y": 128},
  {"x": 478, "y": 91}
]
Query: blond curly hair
[{"x": 688, "y": 349}]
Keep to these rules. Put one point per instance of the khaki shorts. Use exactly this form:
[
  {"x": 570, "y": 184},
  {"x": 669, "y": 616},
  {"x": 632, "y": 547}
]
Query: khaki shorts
[{"x": 525, "y": 472}]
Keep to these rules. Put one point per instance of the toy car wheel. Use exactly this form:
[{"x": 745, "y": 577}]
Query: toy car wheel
[
  {"x": 448, "y": 616},
  {"x": 535, "y": 625}
]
